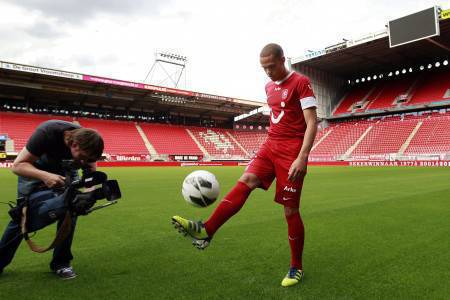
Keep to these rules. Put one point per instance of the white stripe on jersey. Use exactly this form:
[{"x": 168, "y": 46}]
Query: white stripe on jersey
[{"x": 308, "y": 102}]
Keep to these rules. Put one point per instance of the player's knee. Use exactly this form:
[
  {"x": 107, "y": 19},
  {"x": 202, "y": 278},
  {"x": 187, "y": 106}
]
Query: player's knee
[
  {"x": 290, "y": 211},
  {"x": 251, "y": 180}
]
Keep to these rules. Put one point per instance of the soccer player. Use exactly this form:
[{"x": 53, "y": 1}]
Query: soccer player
[
  {"x": 39, "y": 167},
  {"x": 284, "y": 156}
]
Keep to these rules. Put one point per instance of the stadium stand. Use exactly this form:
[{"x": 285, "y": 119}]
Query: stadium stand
[
  {"x": 167, "y": 139},
  {"x": 120, "y": 137},
  {"x": 390, "y": 93},
  {"x": 433, "y": 137},
  {"x": 418, "y": 134},
  {"x": 385, "y": 137},
  {"x": 250, "y": 140},
  {"x": 217, "y": 141},
  {"x": 433, "y": 88},
  {"x": 20, "y": 126},
  {"x": 359, "y": 93},
  {"x": 341, "y": 138}
]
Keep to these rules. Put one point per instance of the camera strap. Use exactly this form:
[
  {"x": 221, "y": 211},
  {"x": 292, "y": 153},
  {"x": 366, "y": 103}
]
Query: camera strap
[{"x": 61, "y": 235}]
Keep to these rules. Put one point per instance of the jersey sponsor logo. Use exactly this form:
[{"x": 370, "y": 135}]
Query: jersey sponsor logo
[
  {"x": 290, "y": 189},
  {"x": 277, "y": 88},
  {"x": 286, "y": 198},
  {"x": 284, "y": 94}
]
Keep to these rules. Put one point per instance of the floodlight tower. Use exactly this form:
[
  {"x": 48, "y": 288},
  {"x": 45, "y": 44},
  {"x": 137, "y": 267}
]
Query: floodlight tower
[{"x": 167, "y": 69}]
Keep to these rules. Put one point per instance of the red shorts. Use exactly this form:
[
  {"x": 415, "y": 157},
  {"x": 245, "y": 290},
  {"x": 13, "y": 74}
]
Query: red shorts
[{"x": 273, "y": 160}]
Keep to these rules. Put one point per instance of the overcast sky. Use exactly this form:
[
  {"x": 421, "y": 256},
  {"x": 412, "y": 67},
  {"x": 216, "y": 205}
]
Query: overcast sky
[{"x": 221, "y": 39}]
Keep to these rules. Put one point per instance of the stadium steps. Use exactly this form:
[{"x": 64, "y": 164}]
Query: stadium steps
[
  {"x": 353, "y": 147},
  {"x": 409, "y": 139},
  {"x": 237, "y": 143},
  {"x": 147, "y": 143},
  {"x": 321, "y": 139},
  {"x": 205, "y": 153},
  {"x": 339, "y": 103},
  {"x": 9, "y": 146}
]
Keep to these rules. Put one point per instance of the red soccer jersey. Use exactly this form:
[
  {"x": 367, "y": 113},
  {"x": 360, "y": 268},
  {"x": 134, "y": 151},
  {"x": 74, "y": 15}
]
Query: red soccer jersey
[{"x": 286, "y": 99}]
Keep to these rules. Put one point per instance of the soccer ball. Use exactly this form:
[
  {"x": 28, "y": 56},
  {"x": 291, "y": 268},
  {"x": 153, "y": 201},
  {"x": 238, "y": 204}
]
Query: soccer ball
[{"x": 200, "y": 188}]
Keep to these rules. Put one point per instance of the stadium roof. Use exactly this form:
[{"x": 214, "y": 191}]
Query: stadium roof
[
  {"x": 30, "y": 83},
  {"x": 372, "y": 55}
]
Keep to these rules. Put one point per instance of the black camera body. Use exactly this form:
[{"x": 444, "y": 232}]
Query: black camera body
[
  {"x": 82, "y": 203},
  {"x": 74, "y": 200}
]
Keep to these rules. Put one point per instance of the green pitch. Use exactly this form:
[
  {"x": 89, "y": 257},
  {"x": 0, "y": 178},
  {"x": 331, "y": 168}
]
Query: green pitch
[{"x": 370, "y": 233}]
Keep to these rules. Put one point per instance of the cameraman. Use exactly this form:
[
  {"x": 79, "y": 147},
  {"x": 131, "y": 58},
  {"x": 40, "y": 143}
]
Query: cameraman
[{"x": 39, "y": 167}]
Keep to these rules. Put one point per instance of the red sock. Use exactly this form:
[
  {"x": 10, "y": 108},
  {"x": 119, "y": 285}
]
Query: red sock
[
  {"x": 230, "y": 204},
  {"x": 296, "y": 235}
]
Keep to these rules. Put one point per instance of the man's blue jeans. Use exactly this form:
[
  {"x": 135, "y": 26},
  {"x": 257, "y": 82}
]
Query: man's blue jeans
[{"x": 40, "y": 204}]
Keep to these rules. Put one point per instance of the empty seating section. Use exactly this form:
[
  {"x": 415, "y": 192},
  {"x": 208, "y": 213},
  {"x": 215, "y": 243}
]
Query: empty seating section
[
  {"x": 341, "y": 138},
  {"x": 432, "y": 88},
  {"x": 168, "y": 139},
  {"x": 217, "y": 142},
  {"x": 355, "y": 95},
  {"x": 390, "y": 90},
  {"x": 385, "y": 137},
  {"x": 418, "y": 88},
  {"x": 20, "y": 126},
  {"x": 433, "y": 137},
  {"x": 120, "y": 137},
  {"x": 251, "y": 141}
]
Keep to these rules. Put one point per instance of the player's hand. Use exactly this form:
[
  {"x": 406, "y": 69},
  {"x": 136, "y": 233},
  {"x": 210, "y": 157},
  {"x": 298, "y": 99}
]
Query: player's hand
[
  {"x": 297, "y": 169},
  {"x": 54, "y": 180}
]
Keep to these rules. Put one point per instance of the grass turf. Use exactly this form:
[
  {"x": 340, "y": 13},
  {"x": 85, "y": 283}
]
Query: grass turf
[{"x": 370, "y": 233}]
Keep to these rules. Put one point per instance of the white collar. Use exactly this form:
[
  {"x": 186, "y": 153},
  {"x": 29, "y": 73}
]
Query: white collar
[{"x": 278, "y": 82}]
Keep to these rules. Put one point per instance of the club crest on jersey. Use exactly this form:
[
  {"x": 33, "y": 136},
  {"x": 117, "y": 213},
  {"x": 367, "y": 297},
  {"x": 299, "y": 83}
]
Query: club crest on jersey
[{"x": 284, "y": 94}]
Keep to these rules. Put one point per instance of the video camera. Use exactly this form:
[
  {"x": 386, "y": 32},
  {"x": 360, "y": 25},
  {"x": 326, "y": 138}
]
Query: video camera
[
  {"x": 69, "y": 198},
  {"x": 82, "y": 203},
  {"x": 44, "y": 206}
]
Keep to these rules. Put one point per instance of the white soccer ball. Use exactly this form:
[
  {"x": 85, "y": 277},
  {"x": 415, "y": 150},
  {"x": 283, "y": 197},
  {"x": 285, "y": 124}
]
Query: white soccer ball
[{"x": 200, "y": 188}]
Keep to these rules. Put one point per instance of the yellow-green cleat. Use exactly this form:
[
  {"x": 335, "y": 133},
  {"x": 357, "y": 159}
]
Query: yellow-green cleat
[
  {"x": 293, "y": 277},
  {"x": 196, "y": 230}
]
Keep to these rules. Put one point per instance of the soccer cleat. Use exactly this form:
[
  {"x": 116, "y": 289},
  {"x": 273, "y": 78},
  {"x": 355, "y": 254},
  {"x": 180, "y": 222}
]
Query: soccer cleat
[
  {"x": 66, "y": 273},
  {"x": 293, "y": 277},
  {"x": 196, "y": 230}
]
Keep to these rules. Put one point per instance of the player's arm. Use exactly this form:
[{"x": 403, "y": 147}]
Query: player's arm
[
  {"x": 299, "y": 165},
  {"x": 310, "y": 133},
  {"x": 23, "y": 166}
]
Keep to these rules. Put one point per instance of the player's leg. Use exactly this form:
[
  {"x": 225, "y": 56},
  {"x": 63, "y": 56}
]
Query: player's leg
[
  {"x": 259, "y": 173},
  {"x": 288, "y": 194},
  {"x": 296, "y": 237},
  {"x": 230, "y": 205},
  {"x": 232, "y": 202}
]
